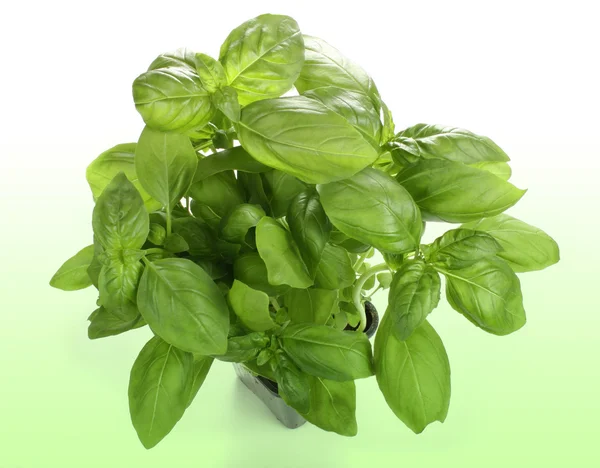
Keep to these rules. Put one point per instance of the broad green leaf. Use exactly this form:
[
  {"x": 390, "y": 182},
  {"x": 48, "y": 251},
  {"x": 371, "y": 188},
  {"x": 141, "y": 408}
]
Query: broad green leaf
[
  {"x": 254, "y": 189},
  {"x": 389, "y": 128},
  {"x": 105, "y": 167},
  {"x": 211, "y": 72},
  {"x": 175, "y": 243},
  {"x": 118, "y": 283},
  {"x": 165, "y": 164},
  {"x": 435, "y": 141},
  {"x": 251, "y": 306},
  {"x": 215, "y": 197},
  {"x": 235, "y": 226},
  {"x": 73, "y": 275},
  {"x": 264, "y": 371},
  {"x": 488, "y": 293},
  {"x": 250, "y": 269},
  {"x": 264, "y": 357},
  {"x": 455, "y": 193},
  {"x": 231, "y": 159},
  {"x": 374, "y": 209},
  {"x": 384, "y": 279},
  {"x": 280, "y": 189},
  {"x": 332, "y": 406},
  {"x": 413, "y": 375},
  {"x": 293, "y": 384},
  {"x": 157, "y": 234},
  {"x": 311, "y": 305},
  {"x": 226, "y": 101},
  {"x": 104, "y": 323},
  {"x": 325, "y": 352},
  {"x": 159, "y": 390},
  {"x": 310, "y": 228},
  {"x": 498, "y": 168},
  {"x": 172, "y": 99},
  {"x": 347, "y": 243},
  {"x": 200, "y": 369},
  {"x": 280, "y": 254},
  {"x": 120, "y": 220},
  {"x": 302, "y": 137},
  {"x": 263, "y": 57},
  {"x": 460, "y": 248},
  {"x": 335, "y": 269},
  {"x": 526, "y": 248},
  {"x": 180, "y": 58},
  {"x": 357, "y": 108},
  {"x": 326, "y": 66},
  {"x": 183, "y": 306},
  {"x": 95, "y": 267},
  {"x": 244, "y": 348},
  {"x": 197, "y": 235},
  {"x": 414, "y": 293}
]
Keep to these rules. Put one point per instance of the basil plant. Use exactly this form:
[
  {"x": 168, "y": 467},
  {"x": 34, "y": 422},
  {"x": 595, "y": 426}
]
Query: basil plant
[{"x": 240, "y": 224}]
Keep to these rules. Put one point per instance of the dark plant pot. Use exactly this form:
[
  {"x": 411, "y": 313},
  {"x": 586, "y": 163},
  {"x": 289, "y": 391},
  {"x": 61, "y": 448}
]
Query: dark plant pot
[{"x": 266, "y": 389}]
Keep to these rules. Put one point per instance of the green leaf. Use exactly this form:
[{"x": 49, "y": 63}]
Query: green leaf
[
  {"x": 460, "y": 248},
  {"x": 280, "y": 254},
  {"x": 157, "y": 234},
  {"x": 310, "y": 228},
  {"x": 215, "y": 197},
  {"x": 104, "y": 323},
  {"x": 254, "y": 189},
  {"x": 413, "y": 375},
  {"x": 95, "y": 267},
  {"x": 197, "y": 236},
  {"x": 231, "y": 159},
  {"x": 251, "y": 306},
  {"x": 180, "y": 58},
  {"x": 159, "y": 390},
  {"x": 347, "y": 243},
  {"x": 175, "y": 243},
  {"x": 525, "y": 247},
  {"x": 200, "y": 369},
  {"x": 389, "y": 128},
  {"x": 172, "y": 99},
  {"x": 165, "y": 164},
  {"x": 455, "y": 193},
  {"x": 384, "y": 279},
  {"x": 487, "y": 293},
  {"x": 120, "y": 220},
  {"x": 250, "y": 269},
  {"x": 263, "y": 57},
  {"x": 211, "y": 72},
  {"x": 235, "y": 226},
  {"x": 244, "y": 348},
  {"x": 280, "y": 189},
  {"x": 329, "y": 353},
  {"x": 374, "y": 209},
  {"x": 414, "y": 293},
  {"x": 226, "y": 100},
  {"x": 293, "y": 384},
  {"x": 335, "y": 269},
  {"x": 105, "y": 167},
  {"x": 438, "y": 142},
  {"x": 73, "y": 275},
  {"x": 183, "y": 305},
  {"x": 118, "y": 284},
  {"x": 326, "y": 66},
  {"x": 302, "y": 137},
  {"x": 311, "y": 305},
  {"x": 499, "y": 169}
]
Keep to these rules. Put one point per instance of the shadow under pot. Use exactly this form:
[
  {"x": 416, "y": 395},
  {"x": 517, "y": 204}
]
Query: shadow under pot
[{"x": 267, "y": 390}]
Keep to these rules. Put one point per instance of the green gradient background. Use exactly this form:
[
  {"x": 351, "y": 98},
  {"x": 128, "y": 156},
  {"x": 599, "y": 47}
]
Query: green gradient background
[{"x": 530, "y": 399}]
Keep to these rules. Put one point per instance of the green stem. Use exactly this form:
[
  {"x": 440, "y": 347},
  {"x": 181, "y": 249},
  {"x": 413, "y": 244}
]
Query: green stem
[
  {"x": 154, "y": 250},
  {"x": 358, "y": 288},
  {"x": 362, "y": 258},
  {"x": 275, "y": 304},
  {"x": 168, "y": 221}
]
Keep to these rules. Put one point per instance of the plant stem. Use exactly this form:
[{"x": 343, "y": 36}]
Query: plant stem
[
  {"x": 362, "y": 258},
  {"x": 154, "y": 250},
  {"x": 275, "y": 304},
  {"x": 358, "y": 288},
  {"x": 168, "y": 221}
]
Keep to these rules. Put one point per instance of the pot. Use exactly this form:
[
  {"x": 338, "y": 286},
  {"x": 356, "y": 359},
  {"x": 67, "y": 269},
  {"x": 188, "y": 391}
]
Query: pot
[{"x": 266, "y": 389}]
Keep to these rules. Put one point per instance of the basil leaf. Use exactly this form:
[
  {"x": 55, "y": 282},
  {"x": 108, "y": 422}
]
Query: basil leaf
[
  {"x": 105, "y": 167},
  {"x": 280, "y": 189},
  {"x": 235, "y": 158},
  {"x": 302, "y": 137},
  {"x": 226, "y": 100},
  {"x": 384, "y": 279},
  {"x": 329, "y": 353},
  {"x": 120, "y": 220},
  {"x": 389, "y": 128},
  {"x": 525, "y": 247},
  {"x": 104, "y": 323},
  {"x": 310, "y": 228},
  {"x": 180, "y": 58},
  {"x": 250, "y": 269},
  {"x": 347, "y": 243},
  {"x": 159, "y": 389},
  {"x": 435, "y": 141},
  {"x": 118, "y": 284},
  {"x": 460, "y": 248},
  {"x": 244, "y": 348},
  {"x": 413, "y": 375},
  {"x": 211, "y": 72},
  {"x": 311, "y": 305},
  {"x": 276, "y": 247},
  {"x": 251, "y": 306},
  {"x": 335, "y": 269},
  {"x": 455, "y": 193},
  {"x": 374, "y": 209},
  {"x": 414, "y": 293},
  {"x": 200, "y": 369},
  {"x": 73, "y": 274},
  {"x": 235, "y": 226},
  {"x": 499, "y": 169},
  {"x": 263, "y": 57},
  {"x": 176, "y": 243},
  {"x": 157, "y": 234},
  {"x": 293, "y": 384},
  {"x": 488, "y": 294},
  {"x": 215, "y": 197},
  {"x": 183, "y": 305},
  {"x": 95, "y": 267},
  {"x": 196, "y": 235},
  {"x": 172, "y": 99}
]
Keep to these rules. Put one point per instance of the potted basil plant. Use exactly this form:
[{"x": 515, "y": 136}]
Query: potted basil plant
[{"x": 242, "y": 227}]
